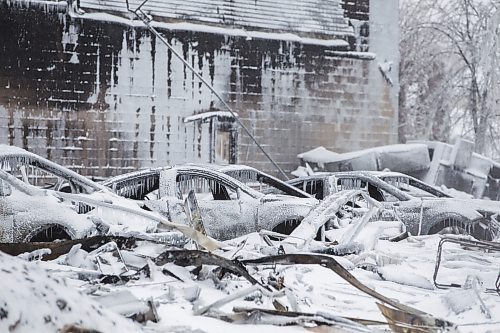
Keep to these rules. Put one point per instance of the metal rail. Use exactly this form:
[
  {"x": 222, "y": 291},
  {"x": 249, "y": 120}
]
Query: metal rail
[
  {"x": 491, "y": 246},
  {"x": 146, "y": 19}
]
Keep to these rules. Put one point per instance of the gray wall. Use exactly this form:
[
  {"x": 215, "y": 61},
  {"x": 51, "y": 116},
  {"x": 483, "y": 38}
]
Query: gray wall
[{"x": 105, "y": 97}]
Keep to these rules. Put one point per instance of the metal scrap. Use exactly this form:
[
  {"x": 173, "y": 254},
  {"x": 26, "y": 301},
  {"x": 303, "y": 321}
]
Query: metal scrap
[
  {"x": 280, "y": 318},
  {"x": 199, "y": 258},
  {"x": 401, "y": 321},
  {"x": 125, "y": 303},
  {"x": 466, "y": 242},
  {"x": 331, "y": 263}
]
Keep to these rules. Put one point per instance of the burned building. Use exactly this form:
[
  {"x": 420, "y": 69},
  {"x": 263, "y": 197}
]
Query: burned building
[{"x": 85, "y": 84}]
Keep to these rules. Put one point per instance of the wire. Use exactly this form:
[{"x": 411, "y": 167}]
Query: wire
[{"x": 146, "y": 20}]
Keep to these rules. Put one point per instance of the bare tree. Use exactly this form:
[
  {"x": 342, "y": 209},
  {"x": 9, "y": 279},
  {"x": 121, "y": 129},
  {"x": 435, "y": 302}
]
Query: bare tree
[{"x": 449, "y": 70}]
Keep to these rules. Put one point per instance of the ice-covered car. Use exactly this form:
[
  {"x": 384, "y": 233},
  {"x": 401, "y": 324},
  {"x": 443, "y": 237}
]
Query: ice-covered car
[
  {"x": 30, "y": 214},
  {"x": 32, "y": 209},
  {"x": 229, "y": 208},
  {"x": 421, "y": 207}
]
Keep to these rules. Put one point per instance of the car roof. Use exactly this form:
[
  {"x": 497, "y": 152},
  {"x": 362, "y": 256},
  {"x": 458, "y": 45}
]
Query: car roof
[
  {"x": 133, "y": 175},
  {"x": 12, "y": 155},
  {"x": 375, "y": 176},
  {"x": 208, "y": 168}
]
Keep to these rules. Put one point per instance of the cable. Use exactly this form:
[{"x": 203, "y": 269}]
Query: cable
[{"x": 146, "y": 19}]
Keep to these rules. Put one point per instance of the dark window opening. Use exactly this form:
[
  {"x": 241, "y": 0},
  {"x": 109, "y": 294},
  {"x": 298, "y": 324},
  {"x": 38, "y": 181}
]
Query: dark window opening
[{"x": 50, "y": 234}]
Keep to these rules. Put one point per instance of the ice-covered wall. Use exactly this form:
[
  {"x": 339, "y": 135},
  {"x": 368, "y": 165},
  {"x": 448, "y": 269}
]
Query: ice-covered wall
[{"x": 106, "y": 97}]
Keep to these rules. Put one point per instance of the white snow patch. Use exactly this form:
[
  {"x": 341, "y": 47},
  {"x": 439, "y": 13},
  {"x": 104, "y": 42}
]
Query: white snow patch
[
  {"x": 33, "y": 301},
  {"x": 206, "y": 115},
  {"x": 248, "y": 34}
]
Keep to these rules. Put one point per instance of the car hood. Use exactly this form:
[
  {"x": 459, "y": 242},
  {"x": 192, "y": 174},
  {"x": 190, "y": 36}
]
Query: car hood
[
  {"x": 467, "y": 207},
  {"x": 482, "y": 205}
]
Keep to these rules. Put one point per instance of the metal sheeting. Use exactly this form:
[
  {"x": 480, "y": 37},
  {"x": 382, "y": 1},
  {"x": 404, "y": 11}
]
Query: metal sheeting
[{"x": 312, "y": 17}]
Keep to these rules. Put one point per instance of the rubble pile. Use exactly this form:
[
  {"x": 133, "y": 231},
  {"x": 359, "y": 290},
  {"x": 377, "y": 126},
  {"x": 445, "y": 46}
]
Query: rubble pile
[
  {"x": 252, "y": 281},
  {"x": 193, "y": 249}
]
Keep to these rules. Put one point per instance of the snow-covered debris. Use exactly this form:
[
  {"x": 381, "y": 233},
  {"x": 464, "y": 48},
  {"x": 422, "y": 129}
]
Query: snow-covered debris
[
  {"x": 324, "y": 212},
  {"x": 180, "y": 283},
  {"x": 33, "y": 301},
  {"x": 467, "y": 298},
  {"x": 126, "y": 304},
  {"x": 401, "y": 158},
  {"x": 318, "y": 155},
  {"x": 79, "y": 258},
  {"x": 303, "y": 171},
  {"x": 436, "y": 163},
  {"x": 397, "y": 274},
  {"x": 35, "y": 255}
]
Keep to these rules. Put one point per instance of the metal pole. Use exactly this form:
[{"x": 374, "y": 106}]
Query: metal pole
[{"x": 146, "y": 20}]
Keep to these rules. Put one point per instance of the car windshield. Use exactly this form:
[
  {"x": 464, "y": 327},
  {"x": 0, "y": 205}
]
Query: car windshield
[
  {"x": 412, "y": 187},
  {"x": 37, "y": 171},
  {"x": 264, "y": 183}
]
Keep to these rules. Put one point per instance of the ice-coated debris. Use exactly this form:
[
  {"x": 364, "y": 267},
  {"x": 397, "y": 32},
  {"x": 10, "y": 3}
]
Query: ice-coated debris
[
  {"x": 34, "y": 255},
  {"x": 122, "y": 302},
  {"x": 33, "y": 301},
  {"x": 397, "y": 274},
  {"x": 460, "y": 300},
  {"x": 79, "y": 258}
]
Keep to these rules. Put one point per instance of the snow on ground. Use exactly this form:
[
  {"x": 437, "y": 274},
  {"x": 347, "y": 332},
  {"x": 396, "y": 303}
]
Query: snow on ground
[
  {"x": 401, "y": 271},
  {"x": 33, "y": 301}
]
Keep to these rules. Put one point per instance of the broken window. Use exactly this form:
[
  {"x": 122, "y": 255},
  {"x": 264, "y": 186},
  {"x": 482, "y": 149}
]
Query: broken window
[
  {"x": 39, "y": 177},
  {"x": 412, "y": 187},
  {"x": 351, "y": 184},
  {"x": 43, "y": 173},
  {"x": 205, "y": 188},
  {"x": 222, "y": 150},
  {"x": 223, "y": 135},
  {"x": 264, "y": 183},
  {"x": 138, "y": 188},
  {"x": 314, "y": 187}
]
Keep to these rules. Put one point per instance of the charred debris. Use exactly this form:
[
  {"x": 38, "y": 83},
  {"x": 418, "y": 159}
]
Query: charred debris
[{"x": 144, "y": 246}]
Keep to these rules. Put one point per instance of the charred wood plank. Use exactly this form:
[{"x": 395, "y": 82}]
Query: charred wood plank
[
  {"x": 199, "y": 258},
  {"x": 59, "y": 248},
  {"x": 326, "y": 316},
  {"x": 330, "y": 263},
  {"x": 404, "y": 322}
]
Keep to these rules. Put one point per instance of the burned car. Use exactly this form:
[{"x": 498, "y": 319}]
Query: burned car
[
  {"x": 229, "y": 208},
  {"x": 43, "y": 201},
  {"x": 421, "y": 207},
  {"x": 30, "y": 214}
]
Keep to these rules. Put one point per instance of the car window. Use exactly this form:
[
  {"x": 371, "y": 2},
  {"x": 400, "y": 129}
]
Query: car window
[
  {"x": 351, "y": 184},
  {"x": 373, "y": 190},
  {"x": 42, "y": 178},
  {"x": 386, "y": 196},
  {"x": 264, "y": 183},
  {"x": 314, "y": 187},
  {"x": 411, "y": 187},
  {"x": 205, "y": 188},
  {"x": 137, "y": 187}
]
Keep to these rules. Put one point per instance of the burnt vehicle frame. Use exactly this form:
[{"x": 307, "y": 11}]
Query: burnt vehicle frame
[
  {"x": 44, "y": 201},
  {"x": 421, "y": 207},
  {"x": 229, "y": 207}
]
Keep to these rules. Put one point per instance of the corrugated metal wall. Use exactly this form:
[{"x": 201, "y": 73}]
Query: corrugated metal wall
[{"x": 323, "y": 17}]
